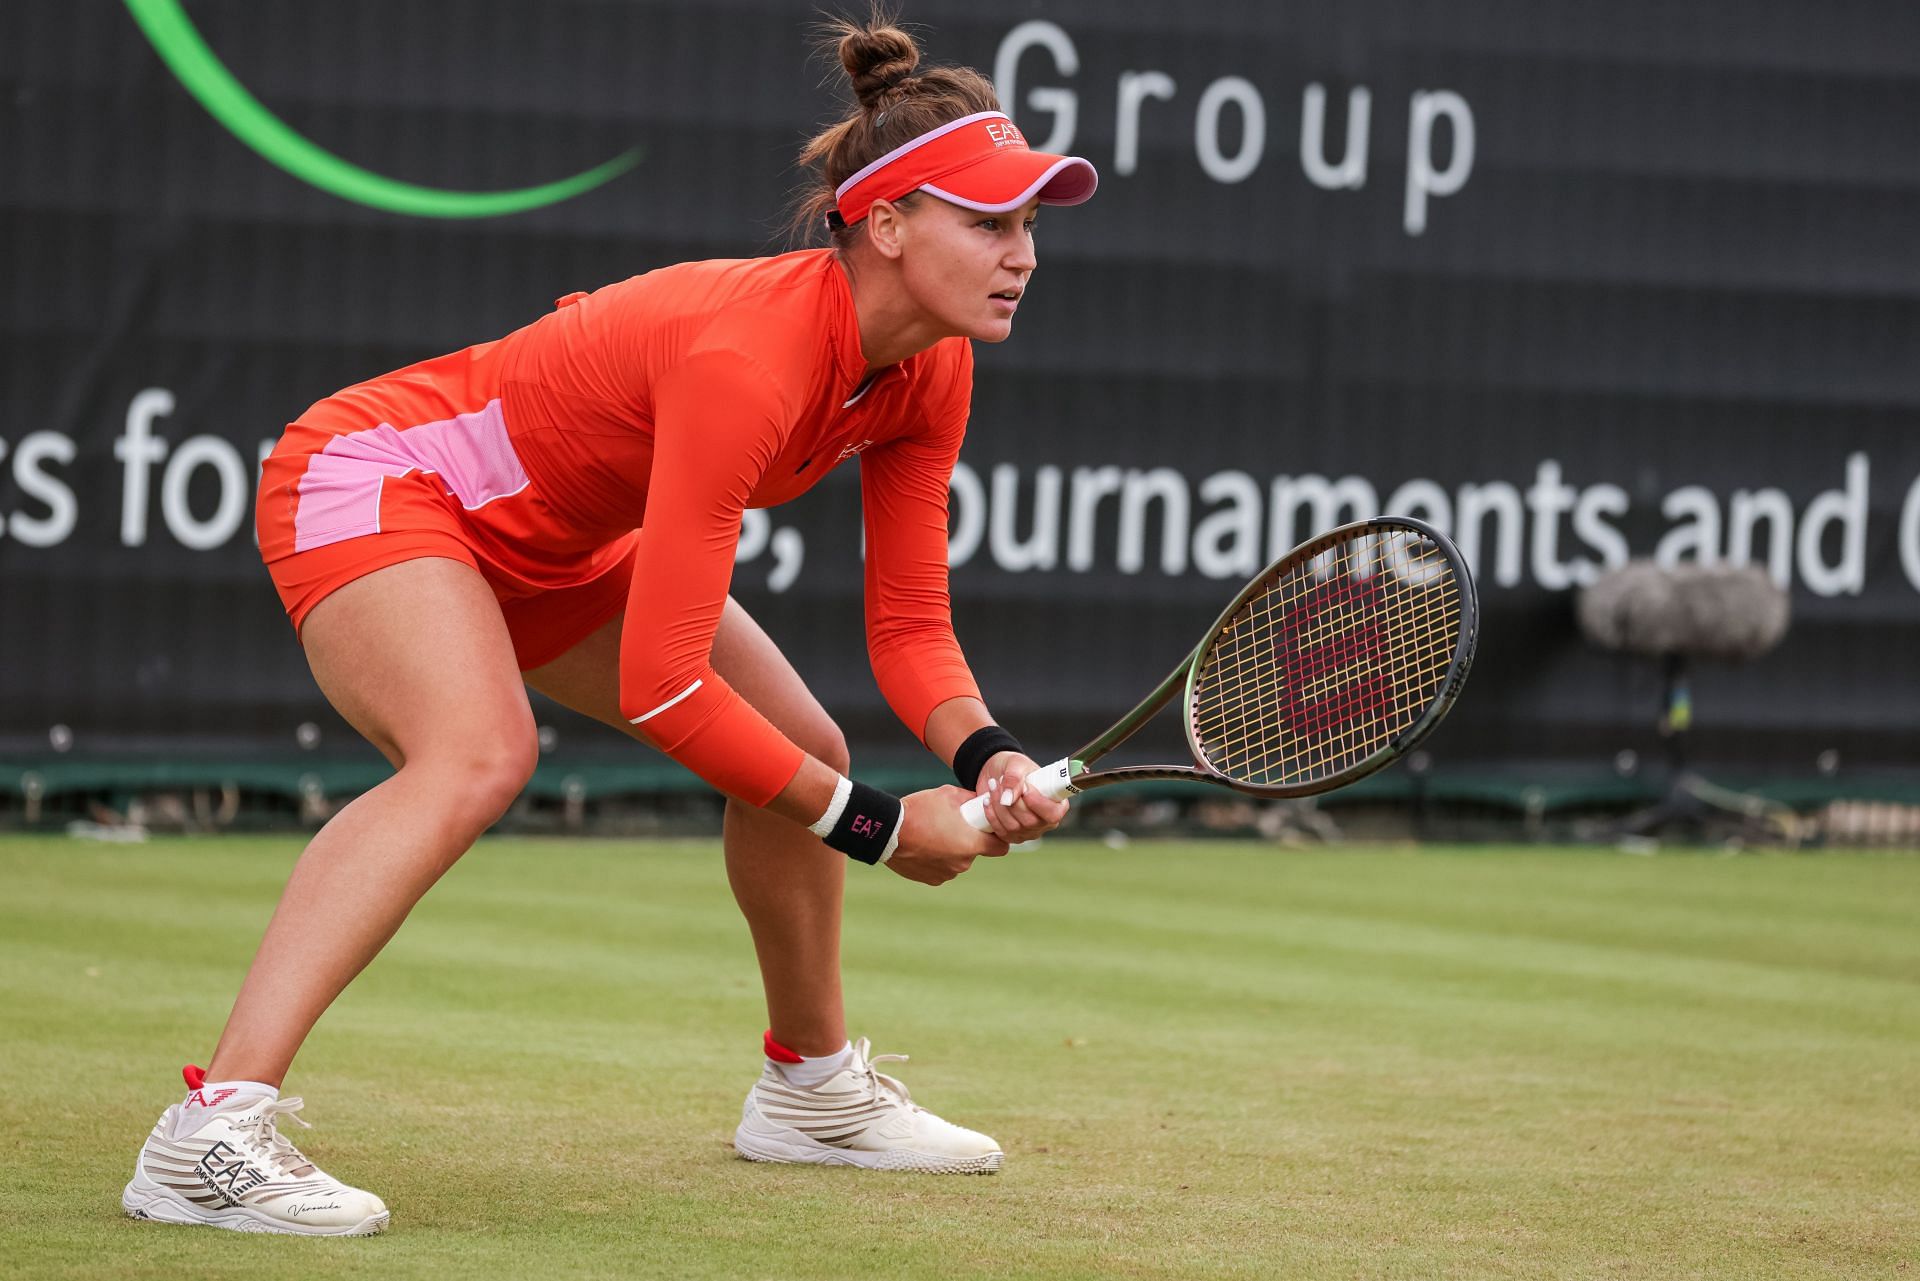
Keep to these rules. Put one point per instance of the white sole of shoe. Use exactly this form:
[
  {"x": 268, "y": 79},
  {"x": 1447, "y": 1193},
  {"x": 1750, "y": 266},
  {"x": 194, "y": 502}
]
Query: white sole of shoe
[
  {"x": 151, "y": 1203},
  {"x": 756, "y": 1146}
]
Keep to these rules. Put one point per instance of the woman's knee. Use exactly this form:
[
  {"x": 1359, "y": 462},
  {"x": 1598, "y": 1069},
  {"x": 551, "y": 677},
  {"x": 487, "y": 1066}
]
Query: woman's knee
[
  {"x": 749, "y": 660},
  {"x": 500, "y": 775},
  {"x": 823, "y": 741},
  {"x": 479, "y": 781}
]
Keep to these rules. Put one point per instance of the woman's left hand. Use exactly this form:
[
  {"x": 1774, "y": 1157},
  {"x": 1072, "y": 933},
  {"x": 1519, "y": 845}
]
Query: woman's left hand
[{"x": 1016, "y": 812}]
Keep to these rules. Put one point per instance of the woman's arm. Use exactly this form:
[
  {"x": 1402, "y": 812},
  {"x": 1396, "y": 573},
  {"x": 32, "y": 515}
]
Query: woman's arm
[
  {"x": 719, "y": 423},
  {"x": 910, "y": 642},
  {"x": 916, "y": 657}
]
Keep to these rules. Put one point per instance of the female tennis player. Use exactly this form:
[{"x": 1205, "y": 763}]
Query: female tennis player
[{"x": 559, "y": 509}]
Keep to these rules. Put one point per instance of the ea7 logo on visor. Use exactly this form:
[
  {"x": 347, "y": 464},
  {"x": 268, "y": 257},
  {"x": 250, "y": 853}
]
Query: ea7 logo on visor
[
  {"x": 1005, "y": 134},
  {"x": 179, "y": 45}
]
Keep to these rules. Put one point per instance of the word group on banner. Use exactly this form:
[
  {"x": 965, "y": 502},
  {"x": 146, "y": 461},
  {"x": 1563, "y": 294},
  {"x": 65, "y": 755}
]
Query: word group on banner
[{"x": 1232, "y": 105}]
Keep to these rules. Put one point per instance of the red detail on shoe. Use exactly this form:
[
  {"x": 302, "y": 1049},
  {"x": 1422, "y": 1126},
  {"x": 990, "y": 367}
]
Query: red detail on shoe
[
  {"x": 778, "y": 1052},
  {"x": 195, "y": 1077}
]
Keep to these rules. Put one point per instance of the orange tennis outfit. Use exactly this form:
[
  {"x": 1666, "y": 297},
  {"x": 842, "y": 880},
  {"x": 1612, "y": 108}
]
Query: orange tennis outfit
[{"x": 600, "y": 459}]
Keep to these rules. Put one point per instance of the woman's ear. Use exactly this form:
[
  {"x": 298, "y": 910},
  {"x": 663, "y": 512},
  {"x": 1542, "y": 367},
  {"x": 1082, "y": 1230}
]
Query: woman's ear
[{"x": 886, "y": 228}]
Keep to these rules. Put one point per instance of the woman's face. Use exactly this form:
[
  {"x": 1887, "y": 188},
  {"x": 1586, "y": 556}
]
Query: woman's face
[{"x": 966, "y": 269}]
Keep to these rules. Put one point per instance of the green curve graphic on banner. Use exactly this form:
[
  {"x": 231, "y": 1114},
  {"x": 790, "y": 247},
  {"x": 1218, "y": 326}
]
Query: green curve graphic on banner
[{"x": 179, "y": 45}]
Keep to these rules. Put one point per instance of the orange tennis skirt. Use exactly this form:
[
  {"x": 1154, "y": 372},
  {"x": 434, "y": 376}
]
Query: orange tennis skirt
[{"x": 339, "y": 500}]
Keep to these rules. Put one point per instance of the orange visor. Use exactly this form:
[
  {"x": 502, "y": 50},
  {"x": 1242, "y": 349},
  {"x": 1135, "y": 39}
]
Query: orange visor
[{"x": 979, "y": 161}]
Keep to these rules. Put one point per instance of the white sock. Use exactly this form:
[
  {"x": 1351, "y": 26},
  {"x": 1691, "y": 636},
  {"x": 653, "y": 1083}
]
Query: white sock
[
  {"x": 808, "y": 1073},
  {"x": 217, "y": 1093}
]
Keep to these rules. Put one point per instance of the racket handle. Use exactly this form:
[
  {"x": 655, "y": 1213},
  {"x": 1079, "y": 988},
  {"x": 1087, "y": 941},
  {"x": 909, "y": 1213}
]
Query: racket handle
[{"x": 1051, "y": 781}]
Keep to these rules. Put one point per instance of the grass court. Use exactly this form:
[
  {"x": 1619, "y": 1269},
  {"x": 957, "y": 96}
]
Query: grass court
[{"x": 1203, "y": 1060}]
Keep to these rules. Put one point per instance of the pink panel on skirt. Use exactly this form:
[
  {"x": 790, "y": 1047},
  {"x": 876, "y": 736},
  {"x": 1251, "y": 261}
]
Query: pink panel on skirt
[{"x": 339, "y": 495}]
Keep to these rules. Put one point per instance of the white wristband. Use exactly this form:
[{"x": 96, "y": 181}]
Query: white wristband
[
  {"x": 822, "y": 827},
  {"x": 893, "y": 839}
]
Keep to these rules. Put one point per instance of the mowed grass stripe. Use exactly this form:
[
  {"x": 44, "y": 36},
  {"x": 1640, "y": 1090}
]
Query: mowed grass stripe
[{"x": 1204, "y": 1060}]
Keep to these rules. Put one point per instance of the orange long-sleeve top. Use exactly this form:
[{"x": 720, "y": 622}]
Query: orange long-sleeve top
[{"x": 672, "y": 402}]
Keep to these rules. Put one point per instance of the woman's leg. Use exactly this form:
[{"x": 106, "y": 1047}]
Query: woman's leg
[
  {"x": 417, "y": 658},
  {"x": 787, "y": 883}
]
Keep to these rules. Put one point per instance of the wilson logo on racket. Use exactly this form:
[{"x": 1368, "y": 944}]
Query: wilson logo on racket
[{"x": 1336, "y": 635}]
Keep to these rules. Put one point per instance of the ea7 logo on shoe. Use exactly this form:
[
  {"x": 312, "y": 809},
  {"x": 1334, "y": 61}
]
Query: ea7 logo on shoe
[
  {"x": 200, "y": 1098},
  {"x": 229, "y": 1176}
]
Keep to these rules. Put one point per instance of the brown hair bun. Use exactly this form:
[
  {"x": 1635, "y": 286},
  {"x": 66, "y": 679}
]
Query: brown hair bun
[
  {"x": 894, "y": 102},
  {"x": 876, "y": 57}
]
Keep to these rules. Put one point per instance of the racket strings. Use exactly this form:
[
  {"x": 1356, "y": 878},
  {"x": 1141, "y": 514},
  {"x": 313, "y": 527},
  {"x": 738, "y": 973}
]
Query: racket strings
[
  {"x": 1332, "y": 720},
  {"x": 1346, "y": 721},
  {"x": 1329, "y": 662}
]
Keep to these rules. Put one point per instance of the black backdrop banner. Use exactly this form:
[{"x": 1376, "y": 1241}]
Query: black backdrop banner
[{"x": 1576, "y": 282}]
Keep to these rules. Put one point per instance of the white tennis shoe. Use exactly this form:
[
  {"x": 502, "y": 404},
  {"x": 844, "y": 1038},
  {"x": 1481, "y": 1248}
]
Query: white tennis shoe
[
  {"x": 228, "y": 1166},
  {"x": 856, "y": 1117}
]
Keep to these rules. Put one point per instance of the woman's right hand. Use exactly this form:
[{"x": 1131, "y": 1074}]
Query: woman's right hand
[{"x": 936, "y": 843}]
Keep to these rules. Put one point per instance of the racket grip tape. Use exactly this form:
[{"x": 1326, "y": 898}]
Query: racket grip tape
[{"x": 1051, "y": 781}]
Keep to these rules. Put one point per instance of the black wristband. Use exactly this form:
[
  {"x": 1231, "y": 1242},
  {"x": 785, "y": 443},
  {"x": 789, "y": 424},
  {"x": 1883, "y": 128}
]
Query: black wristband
[
  {"x": 866, "y": 825},
  {"x": 982, "y": 746}
]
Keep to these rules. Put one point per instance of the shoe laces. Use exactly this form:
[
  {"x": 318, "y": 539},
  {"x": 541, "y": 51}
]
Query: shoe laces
[
  {"x": 277, "y": 1148},
  {"x": 880, "y": 1082}
]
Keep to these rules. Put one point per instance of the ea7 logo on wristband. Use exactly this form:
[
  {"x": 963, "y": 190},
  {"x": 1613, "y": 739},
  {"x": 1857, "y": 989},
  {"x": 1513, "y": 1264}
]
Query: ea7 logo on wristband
[{"x": 861, "y": 829}]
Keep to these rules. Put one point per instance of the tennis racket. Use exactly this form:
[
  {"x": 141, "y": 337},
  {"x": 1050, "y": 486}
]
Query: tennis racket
[{"x": 1336, "y": 660}]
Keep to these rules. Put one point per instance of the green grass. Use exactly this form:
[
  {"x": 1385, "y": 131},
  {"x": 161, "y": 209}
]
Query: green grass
[{"x": 1203, "y": 1060}]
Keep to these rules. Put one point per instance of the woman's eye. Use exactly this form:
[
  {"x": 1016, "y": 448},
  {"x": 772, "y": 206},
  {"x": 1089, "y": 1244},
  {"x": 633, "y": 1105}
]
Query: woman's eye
[{"x": 991, "y": 224}]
